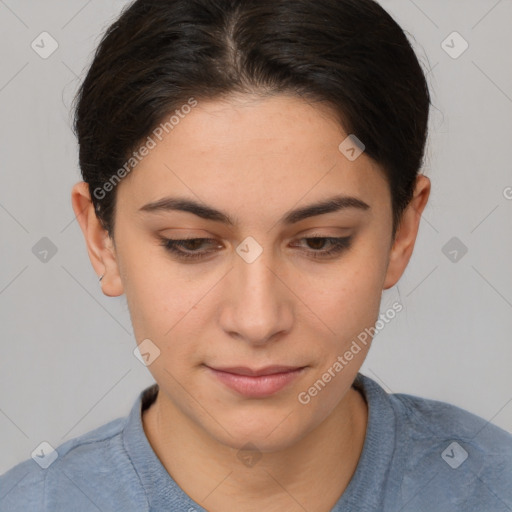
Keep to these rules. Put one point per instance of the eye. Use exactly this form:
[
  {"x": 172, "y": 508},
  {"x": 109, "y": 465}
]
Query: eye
[
  {"x": 174, "y": 245},
  {"x": 337, "y": 245},
  {"x": 187, "y": 249}
]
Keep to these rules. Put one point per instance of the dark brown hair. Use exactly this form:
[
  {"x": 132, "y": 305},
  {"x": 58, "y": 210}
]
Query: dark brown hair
[{"x": 349, "y": 54}]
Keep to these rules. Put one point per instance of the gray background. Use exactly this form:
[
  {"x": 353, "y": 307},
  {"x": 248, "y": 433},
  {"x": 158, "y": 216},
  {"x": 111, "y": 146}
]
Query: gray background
[{"x": 67, "y": 362}]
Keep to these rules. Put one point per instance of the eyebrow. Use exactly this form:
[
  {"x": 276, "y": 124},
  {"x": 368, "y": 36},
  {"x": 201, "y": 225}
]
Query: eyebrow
[{"x": 332, "y": 204}]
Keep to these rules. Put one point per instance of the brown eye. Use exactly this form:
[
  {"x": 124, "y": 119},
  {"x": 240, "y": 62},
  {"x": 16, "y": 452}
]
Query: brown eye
[
  {"x": 189, "y": 244},
  {"x": 188, "y": 249},
  {"x": 336, "y": 245}
]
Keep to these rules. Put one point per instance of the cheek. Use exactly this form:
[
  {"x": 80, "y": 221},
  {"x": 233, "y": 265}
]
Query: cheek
[
  {"x": 161, "y": 307},
  {"x": 158, "y": 292},
  {"x": 349, "y": 297},
  {"x": 169, "y": 309},
  {"x": 350, "y": 307}
]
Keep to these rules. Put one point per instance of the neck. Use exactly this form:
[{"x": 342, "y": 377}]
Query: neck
[{"x": 296, "y": 478}]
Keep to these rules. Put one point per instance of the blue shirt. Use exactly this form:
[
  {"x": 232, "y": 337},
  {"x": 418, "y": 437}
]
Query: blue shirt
[{"x": 419, "y": 455}]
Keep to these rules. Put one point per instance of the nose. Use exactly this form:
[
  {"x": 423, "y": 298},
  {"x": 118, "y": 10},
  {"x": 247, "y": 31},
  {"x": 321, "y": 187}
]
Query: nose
[{"x": 257, "y": 307}]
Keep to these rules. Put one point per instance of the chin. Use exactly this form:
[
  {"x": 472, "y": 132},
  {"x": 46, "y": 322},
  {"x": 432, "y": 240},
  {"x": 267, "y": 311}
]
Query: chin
[{"x": 265, "y": 431}]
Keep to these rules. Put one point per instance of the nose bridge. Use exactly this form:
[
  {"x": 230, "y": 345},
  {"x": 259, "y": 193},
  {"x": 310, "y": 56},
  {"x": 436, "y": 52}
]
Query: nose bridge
[
  {"x": 257, "y": 279},
  {"x": 258, "y": 308},
  {"x": 253, "y": 265}
]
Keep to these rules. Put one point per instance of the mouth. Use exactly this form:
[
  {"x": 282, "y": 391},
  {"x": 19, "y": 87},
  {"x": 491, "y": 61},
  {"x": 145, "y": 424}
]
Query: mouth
[{"x": 257, "y": 383}]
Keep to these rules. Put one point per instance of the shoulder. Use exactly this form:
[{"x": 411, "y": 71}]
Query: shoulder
[
  {"x": 451, "y": 456},
  {"x": 433, "y": 419},
  {"x": 73, "y": 476},
  {"x": 22, "y": 487}
]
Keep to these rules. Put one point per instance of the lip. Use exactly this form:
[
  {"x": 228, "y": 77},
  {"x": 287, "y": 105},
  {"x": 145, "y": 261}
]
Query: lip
[
  {"x": 268, "y": 370},
  {"x": 259, "y": 383}
]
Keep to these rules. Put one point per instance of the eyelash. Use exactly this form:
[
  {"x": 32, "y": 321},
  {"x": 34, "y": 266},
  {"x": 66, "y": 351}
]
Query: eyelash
[{"x": 171, "y": 245}]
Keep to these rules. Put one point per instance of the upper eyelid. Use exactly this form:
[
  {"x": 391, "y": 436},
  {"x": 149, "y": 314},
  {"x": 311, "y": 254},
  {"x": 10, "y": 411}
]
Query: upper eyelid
[
  {"x": 335, "y": 239},
  {"x": 305, "y": 233},
  {"x": 211, "y": 239}
]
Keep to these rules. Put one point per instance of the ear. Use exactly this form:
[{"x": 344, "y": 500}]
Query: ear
[
  {"x": 405, "y": 237},
  {"x": 100, "y": 246}
]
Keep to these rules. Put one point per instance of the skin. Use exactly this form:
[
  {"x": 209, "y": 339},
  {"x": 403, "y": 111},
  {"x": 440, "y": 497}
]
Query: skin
[{"x": 254, "y": 159}]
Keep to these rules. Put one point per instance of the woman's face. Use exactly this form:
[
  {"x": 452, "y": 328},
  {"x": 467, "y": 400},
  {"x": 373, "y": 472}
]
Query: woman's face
[{"x": 260, "y": 293}]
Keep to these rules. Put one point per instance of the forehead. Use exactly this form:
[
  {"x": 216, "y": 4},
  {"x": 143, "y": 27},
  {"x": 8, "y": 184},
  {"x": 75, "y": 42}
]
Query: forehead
[{"x": 252, "y": 152}]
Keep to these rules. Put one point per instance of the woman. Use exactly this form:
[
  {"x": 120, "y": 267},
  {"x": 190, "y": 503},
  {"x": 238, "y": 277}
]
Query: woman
[{"x": 251, "y": 184}]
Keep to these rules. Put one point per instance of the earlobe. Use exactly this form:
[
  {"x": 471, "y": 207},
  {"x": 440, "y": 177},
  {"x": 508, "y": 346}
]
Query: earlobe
[
  {"x": 405, "y": 238},
  {"x": 100, "y": 246}
]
